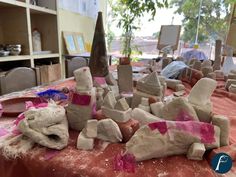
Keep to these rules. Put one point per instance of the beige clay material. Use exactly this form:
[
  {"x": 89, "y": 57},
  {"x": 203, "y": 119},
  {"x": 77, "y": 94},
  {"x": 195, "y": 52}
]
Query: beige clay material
[
  {"x": 47, "y": 126},
  {"x": 79, "y": 114},
  {"x": 172, "y": 109},
  {"x": 84, "y": 142},
  {"x": 196, "y": 151},
  {"x": 90, "y": 129},
  {"x": 143, "y": 117},
  {"x": 224, "y": 124},
  {"x": 201, "y": 92},
  {"x": 83, "y": 79},
  {"x": 169, "y": 140},
  {"x": 108, "y": 130}
]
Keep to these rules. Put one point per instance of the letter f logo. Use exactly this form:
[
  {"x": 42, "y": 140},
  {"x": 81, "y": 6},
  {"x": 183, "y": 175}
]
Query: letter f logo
[
  {"x": 221, "y": 163},
  {"x": 222, "y": 159}
]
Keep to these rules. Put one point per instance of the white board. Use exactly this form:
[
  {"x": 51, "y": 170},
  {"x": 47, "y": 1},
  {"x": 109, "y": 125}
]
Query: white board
[{"x": 169, "y": 35}]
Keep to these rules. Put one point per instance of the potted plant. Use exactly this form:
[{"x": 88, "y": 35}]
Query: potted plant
[{"x": 128, "y": 14}]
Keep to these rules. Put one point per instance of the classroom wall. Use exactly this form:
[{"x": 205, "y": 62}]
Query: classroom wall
[{"x": 74, "y": 22}]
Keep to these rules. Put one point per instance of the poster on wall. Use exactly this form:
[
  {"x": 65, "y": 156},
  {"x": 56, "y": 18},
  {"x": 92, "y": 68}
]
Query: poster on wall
[
  {"x": 93, "y": 8},
  {"x": 87, "y": 8},
  {"x": 83, "y": 7}
]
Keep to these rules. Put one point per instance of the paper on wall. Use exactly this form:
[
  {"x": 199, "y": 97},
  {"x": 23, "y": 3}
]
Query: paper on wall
[{"x": 87, "y": 8}]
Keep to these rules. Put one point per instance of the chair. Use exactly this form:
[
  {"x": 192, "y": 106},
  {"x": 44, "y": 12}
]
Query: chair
[
  {"x": 17, "y": 79},
  {"x": 73, "y": 64}
]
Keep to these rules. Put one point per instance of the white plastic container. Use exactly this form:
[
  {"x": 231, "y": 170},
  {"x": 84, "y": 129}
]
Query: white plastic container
[{"x": 37, "y": 46}]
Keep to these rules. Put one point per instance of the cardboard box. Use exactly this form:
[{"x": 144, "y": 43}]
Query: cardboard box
[{"x": 49, "y": 73}]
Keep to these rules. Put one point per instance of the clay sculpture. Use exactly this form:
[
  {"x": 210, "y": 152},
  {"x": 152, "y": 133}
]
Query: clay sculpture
[
  {"x": 98, "y": 61},
  {"x": 196, "y": 151},
  {"x": 197, "y": 65},
  {"x": 144, "y": 117},
  {"x": 206, "y": 63},
  {"x": 199, "y": 97},
  {"x": 46, "y": 126},
  {"x": 85, "y": 140},
  {"x": 207, "y": 70},
  {"x": 232, "y": 88},
  {"x": 229, "y": 82},
  {"x": 175, "y": 109},
  {"x": 100, "y": 99},
  {"x": 118, "y": 111},
  {"x": 151, "y": 86},
  {"x": 105, "y": 129},
  {"x": 125, "y": 78},
  {"x": 83, "y": 100},
  {"x": 175, "y": 85},
  {"x": 108, "y": 130},
  {"x": 223, "y": 123},
  {"x": 178, "y": 107},
  {"x": 166, "y": 138},
  {"x": 144, "y": 105}
]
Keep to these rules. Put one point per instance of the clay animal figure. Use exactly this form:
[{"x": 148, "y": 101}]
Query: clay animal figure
[{"x": 166, "y": 138}]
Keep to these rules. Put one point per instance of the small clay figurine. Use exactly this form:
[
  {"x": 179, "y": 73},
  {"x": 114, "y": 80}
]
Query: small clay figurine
[{"x": 83, "y": 100}]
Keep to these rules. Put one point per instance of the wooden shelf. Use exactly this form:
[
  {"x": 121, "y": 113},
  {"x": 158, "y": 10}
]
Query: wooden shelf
[
  {"x": 53, "y": 55},
  {"x": 18, "y": 18},
  {"x": 13, "y": 27},
  {"x": 41, "y": 10},
  {"x": 7, "y": 3},
  {"x": 15, "y": 58},
  {"x": 46, "y": 24}
]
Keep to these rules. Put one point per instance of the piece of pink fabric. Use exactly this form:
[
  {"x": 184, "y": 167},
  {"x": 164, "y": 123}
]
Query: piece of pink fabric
[
  {"x": 125, "y": 163},
  {"x": 82, "y": 100},
  {"x": 161, "y": 126},
  {"x": 3, "y": 132},
  {"x": 29, "y": 104},
  {"x": 16, "y": 131},
  {"x": 50, "y": 153},
  {"x": 41, "y": 105},
  {"x": 19, "y": 118}
]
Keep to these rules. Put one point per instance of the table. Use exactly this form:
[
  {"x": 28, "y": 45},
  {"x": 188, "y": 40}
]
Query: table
[
  {"x": 71, "y": 162},
  {"x": 85, "y": 55}
]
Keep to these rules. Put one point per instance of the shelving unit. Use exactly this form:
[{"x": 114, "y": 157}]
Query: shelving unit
[
  {"x": 18, "y": 18},
  {"x": 15, "y": 58}
]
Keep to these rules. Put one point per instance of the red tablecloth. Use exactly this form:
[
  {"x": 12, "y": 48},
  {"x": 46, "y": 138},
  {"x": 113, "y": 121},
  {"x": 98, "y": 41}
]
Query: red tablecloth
[{"x": 71, "y": 162}]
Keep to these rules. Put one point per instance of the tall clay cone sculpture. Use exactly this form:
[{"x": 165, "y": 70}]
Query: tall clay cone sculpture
[{"x": 98, "y": 60}]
